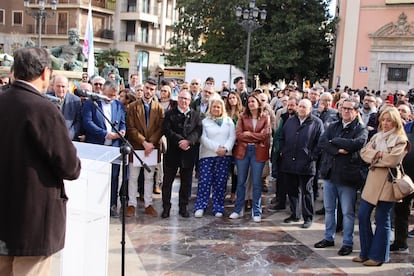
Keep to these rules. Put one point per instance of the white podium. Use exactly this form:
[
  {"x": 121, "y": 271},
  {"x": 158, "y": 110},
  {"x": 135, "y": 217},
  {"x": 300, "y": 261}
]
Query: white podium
[{"x": 87, "y": 224}]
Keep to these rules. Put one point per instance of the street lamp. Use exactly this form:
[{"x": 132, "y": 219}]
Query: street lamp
[
  {"x": 250, "y": 19},
  {"x": 40, "y": 14}
]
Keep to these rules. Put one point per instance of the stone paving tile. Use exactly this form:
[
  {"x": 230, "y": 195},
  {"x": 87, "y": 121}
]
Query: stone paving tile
[{"x": 220, "y": 246}]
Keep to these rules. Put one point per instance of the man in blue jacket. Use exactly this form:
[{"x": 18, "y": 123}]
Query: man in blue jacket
[
  {"x": 299, "y": 151},
  {"x": 99, "y": 131}
]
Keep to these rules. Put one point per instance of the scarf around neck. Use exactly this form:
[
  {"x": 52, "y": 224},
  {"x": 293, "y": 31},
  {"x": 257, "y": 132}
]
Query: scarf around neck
[{"x": 385, "y": 140}]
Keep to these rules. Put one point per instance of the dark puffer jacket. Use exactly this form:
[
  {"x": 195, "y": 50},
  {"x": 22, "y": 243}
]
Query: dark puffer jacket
[{"x": 344, "y": 169}]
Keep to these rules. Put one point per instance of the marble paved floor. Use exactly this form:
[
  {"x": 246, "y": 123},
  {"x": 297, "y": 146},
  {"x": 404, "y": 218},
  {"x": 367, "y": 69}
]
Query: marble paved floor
[{"x": 220, "y": 246}]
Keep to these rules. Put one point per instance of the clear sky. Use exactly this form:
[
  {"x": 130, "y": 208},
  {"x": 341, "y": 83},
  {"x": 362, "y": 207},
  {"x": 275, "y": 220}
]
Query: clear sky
[{"x": 332, "y": 7}]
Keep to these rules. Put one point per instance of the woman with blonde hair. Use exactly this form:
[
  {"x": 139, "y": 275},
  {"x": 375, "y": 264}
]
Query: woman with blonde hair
[
  {"x": 384, "y": 152},
  {"x": 165, "y": 98},
  {"x": 216, "y": 144}
]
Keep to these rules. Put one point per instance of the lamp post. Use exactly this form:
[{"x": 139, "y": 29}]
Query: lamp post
[
  {"x": 250, "y": 19},
  {"x": 40, "y": 14}
]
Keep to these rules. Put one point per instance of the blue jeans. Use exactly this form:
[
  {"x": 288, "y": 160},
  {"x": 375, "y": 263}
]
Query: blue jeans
[
  {"x": 375, "y": 246},
  {"x": 347, "y": 197},
  {"x": 256, "y": 169}
]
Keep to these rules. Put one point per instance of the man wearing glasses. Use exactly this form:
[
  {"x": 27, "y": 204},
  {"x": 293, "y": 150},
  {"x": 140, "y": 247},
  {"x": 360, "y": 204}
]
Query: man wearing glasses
[
  {"x": 201, "y": 104},
  {"x": 182, "y": 128},
  {"x": 195, "y": 88},
  {"x": 341, "y": 171},
  {"x": 98, "y": 85},
  {"x": 368, "y": 107},
  {"x": 401, "y": 95},
  {"x": 85, "y": 77}
]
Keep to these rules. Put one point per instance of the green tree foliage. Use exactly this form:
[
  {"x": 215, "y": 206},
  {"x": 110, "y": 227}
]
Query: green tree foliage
[
  {"x": 107, "y": 56},
  {"x": 293, "y": 43}
]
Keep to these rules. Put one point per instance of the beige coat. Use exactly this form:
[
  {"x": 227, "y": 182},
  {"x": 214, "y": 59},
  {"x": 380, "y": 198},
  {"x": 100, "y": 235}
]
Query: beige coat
[{"x": 377, "y": 187}]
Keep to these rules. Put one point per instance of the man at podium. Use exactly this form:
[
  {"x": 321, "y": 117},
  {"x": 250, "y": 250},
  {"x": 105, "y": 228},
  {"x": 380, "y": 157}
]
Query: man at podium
[{"x": 37, "y": 155}]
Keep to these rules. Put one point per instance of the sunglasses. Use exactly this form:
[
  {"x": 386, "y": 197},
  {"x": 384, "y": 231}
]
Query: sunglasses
[{"x": 98, "y": 84}]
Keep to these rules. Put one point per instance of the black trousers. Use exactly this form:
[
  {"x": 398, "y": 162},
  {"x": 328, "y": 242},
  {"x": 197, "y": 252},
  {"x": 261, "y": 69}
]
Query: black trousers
[
  {"x": 300, "y": 192},
  {"x": 281, "y": 189},
  {"x": 401, "y": 214},
  {"x": 185, "y": 186}
]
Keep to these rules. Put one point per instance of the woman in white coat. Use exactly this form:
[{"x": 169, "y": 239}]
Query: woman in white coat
[{"x": 216, "y": 144}]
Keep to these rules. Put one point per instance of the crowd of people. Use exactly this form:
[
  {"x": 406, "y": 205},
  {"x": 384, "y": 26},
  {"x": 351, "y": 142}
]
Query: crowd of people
[
  {"x": 346, "y": 139},
  {"x": 310, "y": 141}
]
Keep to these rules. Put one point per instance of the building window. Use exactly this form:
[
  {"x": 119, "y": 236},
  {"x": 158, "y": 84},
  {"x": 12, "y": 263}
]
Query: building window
[
  {"x": 397, "y": 74},
  {"x": 2, "y": 17},
  {"x": 132, "y": 6},
  {"x": 17, "y": 18},
  {"x": 62, "y": 22},
  {"x": 144, "y": 32},
  {"x": 145, "y": 6},
  {"x": 130, "y": 31}
]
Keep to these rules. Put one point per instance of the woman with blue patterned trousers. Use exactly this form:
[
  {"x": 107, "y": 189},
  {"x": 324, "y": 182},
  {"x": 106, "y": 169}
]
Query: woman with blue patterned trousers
[
  {"x": 216, "y": 144},
  {"x": 251, "y": 152}
]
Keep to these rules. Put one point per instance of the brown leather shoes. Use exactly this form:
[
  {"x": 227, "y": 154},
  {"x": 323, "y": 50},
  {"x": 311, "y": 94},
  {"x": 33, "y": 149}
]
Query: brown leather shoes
[
  {"x": 130, "y": 211},
  {"x": 358, "y": 259},
  {"x": 151, "y": 211},
  {"x": 371, "y": 263}
]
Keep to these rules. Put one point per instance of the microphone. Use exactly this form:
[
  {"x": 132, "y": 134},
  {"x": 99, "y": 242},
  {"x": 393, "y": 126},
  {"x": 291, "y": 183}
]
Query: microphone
[
  {"x": 51, "y": 98},
  {"x": 93, "y": 96}
]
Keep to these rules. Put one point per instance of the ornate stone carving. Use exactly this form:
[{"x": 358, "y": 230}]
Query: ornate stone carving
[{"x": 400, "y": 28}]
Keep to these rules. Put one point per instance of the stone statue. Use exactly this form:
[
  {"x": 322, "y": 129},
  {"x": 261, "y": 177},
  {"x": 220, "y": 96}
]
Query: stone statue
[
  {"x": 29, "y": 43},
  {"x": 110, "y": 69},
  {"x": 68, "y": 57},
  {"x": 5, "y": 61}
]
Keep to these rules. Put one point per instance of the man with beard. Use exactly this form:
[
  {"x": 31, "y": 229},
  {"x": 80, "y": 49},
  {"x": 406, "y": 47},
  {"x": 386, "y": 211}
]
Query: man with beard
[
  {"x": 144, "y": 126},
  {"x": 368, "y": 107},
  {"x": 281, "y": 188}
]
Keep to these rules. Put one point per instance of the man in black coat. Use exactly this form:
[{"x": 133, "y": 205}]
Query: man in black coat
[
  {"x": 36, "y": 156},
  {"x": 182, "y": 128},
  {"x": 299, "y": 152},
  {"x": 341, "y": 169}
]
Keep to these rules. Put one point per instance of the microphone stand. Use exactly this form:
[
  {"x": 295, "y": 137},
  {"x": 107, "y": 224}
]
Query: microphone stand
[{"x": 125, "y": 149}]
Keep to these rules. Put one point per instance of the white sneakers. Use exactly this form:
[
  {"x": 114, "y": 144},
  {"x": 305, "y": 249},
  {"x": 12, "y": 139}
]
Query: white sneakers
[
  {"x": 199, "y": 213},
  {"x": 257, "y": 218},
  {"x": 234, "y": 215},
  {"x": 218, "y": 215}
]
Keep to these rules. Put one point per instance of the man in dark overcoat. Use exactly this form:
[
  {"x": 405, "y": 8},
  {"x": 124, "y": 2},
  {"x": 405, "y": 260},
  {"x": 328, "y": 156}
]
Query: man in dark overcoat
[
  {"x": 37, "y": 155},
  {"x": 182, "y": 128}
]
